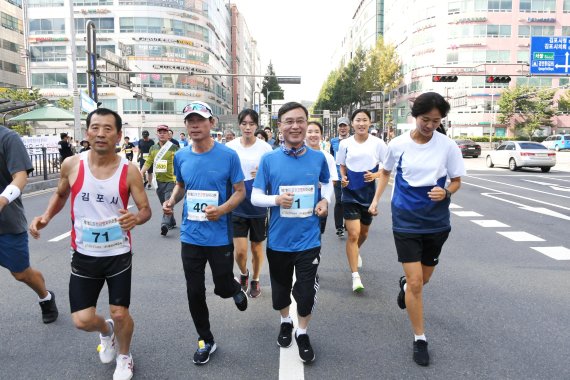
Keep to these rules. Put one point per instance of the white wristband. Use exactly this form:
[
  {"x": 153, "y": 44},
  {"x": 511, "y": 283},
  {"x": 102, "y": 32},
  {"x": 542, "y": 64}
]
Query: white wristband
[{"x": 11, "y": 192}]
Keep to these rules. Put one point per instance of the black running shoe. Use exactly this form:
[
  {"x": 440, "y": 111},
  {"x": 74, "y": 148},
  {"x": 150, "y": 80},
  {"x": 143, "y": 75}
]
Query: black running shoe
[
  {"x": 163, "y": 230},
  {"x": 421, "y": 356},
  {"x": 340, "y": 232},
  {"x": 49, "y": 309},
  {"x": 402, "y": 295},
  {"x": 241, "y": 300},
  {"x": 244, "y": 281},
  {"x": 202, "y": 354},
  {"x": 305, "y": 350},
  {"x": 285, "y": 338}
]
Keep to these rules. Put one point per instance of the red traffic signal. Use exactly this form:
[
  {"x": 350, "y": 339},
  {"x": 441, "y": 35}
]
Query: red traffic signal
[
  {"x": 444, "y": 78},
  {"x": 497, "y": 79}
]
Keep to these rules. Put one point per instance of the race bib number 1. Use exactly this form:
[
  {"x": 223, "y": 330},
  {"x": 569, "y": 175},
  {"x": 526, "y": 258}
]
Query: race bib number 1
[
  {"x": 197, "y": 201},
  {"x": 303, "y": 201},
  {"x": 101, "y": 235}
]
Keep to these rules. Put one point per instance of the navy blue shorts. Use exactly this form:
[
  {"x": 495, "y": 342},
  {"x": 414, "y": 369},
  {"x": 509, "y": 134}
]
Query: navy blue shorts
[{"x": 14, "y": 253}]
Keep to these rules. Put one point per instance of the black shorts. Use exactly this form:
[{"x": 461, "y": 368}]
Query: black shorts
[
  {"x": 355, "y": 211},
  {"x": 305, "y": 265},
  {"x": 88, "y": 275},
  {"x": 426, "y": 248},
  {"x": 255, "y": 226},
  {"x": 141, "y": 164}
]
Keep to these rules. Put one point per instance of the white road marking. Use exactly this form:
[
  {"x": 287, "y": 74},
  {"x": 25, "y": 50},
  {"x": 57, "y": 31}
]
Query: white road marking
[
  {"x": 290, "y": 366},
  {"x": 68, "y": 233},
  {"x": 60, "y": 237},
  {"x": 553, "y": 186},
  {"x": 36, "y": 193},
  {"x": 556, "y": 253},
  {"x": 490, "y": 223},
  {"x": 511, "y": 185},
  {"x": 519, "y": 236},
  {"x": 494, "y": 191},
  {"x": 540, "y": 210},
  {"x": 453, "y": 205},
  {"x": 466, "y": 213}
]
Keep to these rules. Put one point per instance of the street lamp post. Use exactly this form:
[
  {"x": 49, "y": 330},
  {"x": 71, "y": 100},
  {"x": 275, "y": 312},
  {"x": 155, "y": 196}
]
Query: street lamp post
[
  {"x": 267, "y": 93},
  {"x": 492, "y": 120}
]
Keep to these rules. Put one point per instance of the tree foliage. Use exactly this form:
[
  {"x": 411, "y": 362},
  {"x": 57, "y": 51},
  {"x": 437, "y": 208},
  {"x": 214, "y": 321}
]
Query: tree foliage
[
  {"x": 271, "y": 86},
  {"x": 346, "y": 87},
  {"x": 564, "y": 102},
  {"x": 528, "y": 109}
]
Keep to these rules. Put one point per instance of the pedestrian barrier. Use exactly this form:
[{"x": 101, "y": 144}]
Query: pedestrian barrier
[{"x": 44, "y": 164}]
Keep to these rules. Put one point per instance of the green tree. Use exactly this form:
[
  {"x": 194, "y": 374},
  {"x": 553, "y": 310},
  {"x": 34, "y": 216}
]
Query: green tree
[
  {"x": 383, "y": 70},
  {"x": 271, "y": 86},
  {"x": 564, "y": 102},
  {"x": 21, "y": 95},
  {"x": 529, "y": 109},
  {"x": 65, "y": 103}
]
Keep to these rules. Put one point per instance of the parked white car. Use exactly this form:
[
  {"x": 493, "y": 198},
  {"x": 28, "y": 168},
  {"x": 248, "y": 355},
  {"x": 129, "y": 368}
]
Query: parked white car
[{"x": 518, "y": 154}]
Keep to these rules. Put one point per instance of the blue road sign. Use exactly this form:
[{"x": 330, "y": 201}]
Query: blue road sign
[{"x": 549, "y": 55}]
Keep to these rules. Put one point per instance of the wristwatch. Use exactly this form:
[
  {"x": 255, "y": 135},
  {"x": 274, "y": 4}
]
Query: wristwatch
[{"x": 447, "y": 194}]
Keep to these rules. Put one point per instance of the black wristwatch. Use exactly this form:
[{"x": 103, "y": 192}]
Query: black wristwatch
[{"x": 447, "y": 194}]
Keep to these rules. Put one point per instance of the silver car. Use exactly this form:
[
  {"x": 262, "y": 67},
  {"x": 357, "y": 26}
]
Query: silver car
[{"x": 518, "y": 154}]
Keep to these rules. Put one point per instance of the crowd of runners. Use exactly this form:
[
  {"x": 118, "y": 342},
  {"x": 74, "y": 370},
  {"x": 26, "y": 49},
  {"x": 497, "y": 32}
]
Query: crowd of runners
[{"x": 248, "y": 188}]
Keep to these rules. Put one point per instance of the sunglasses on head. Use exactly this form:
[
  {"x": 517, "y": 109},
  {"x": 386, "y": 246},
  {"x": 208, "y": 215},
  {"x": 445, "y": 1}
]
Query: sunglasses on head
[{"x": 196, "y": 107}]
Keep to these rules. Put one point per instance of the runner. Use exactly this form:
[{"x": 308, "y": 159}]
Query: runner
[
  {"x": 15, "y": 165},
  {"x": 420, "y": 204},
  {"x": 343, "y": 127},
  {"x": 128, "y": 148},
  {"x": 359, "y": 157},
  {"x": 144, "y": 148},
  {"x": 287, "y": 182},
  {"x": 205, "y": 173},
  {"x": 100, "y": 182},
  {"x": 161, "y": 158},
  {"x": 246, "y": 217},
  {"x": 314, "y": 139}
]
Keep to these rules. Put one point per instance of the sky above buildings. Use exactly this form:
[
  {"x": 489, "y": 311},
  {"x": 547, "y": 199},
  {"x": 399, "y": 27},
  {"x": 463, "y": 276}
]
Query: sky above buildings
[{"x": 299, "y": 37}]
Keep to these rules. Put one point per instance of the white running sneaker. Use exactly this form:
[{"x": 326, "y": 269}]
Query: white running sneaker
[
  {"x": 106, "y": 350},
  {"x": 359, "y": 261},
  {"x": 125, "y": 368},
  {"x": 357, "y": 285}
]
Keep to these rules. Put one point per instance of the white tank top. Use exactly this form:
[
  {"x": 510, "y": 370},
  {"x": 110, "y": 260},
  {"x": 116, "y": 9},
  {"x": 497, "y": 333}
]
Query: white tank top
[{"x": 95, "y": 205}]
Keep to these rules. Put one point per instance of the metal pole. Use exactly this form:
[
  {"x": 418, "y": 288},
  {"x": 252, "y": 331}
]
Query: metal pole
[
  {"x": 384, "y": 132},
  {"x": 27, "y": 43},
  {"x": 76, "y": 107},
  {"x": 492, "y": 119}
]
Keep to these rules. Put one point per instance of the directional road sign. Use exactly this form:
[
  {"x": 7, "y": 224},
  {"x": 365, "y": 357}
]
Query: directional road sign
[{"x": 549, "y": 55}]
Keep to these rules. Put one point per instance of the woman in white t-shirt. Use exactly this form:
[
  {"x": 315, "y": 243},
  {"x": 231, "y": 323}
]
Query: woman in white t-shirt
[
  {"x": 359, "y": 158},
  {"x": 423, "y": 160},
  {"x": 314, "y": 141}
]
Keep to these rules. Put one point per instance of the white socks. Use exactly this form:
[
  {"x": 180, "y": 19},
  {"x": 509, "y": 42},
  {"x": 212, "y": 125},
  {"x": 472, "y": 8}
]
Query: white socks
[
  {"x": 420, "y": 337},
  {"x": 286, "y": 319},
  {"x": 355, "y": 275},
  {"x": 300, "y": 331},
  {"x": 405, "y": 286},
  {"x": 48, "y": 297}
]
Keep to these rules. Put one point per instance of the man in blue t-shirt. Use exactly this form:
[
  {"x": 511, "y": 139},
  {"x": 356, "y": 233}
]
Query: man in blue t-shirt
[
  {"x": 206, "y": 187},
  {"x": 343, "y": 126},
  {"x": 287, "y": 182}
]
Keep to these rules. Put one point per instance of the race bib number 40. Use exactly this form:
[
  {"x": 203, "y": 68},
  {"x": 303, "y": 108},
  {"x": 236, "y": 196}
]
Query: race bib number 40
[
  {"x": 102, "y": 235},
  {"x": 197, "y": 201},
  {"x": 161, "y": 166},
  {"x": 303, "y": 201}
]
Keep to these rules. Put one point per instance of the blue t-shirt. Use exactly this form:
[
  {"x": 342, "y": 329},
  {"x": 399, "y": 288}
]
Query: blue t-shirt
[
  {"x": 420, "y": 167},
  {"x": 208, "y": 179},
  {"x": 295, "y": 229}
]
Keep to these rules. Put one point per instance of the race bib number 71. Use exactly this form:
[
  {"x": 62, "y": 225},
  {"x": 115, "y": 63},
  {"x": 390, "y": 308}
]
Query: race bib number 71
[{"x": 101, "y": 235}]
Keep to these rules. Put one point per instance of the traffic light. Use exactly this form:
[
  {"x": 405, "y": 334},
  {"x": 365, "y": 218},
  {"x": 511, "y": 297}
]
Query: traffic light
[
  {"x": 497, "y": 79},
  {"x": 444, "y": 78}
]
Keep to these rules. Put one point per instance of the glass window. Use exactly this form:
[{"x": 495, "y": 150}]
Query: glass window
[
  {"x": 45, "y": 3},
  {"x": 10, "y": 67},
  {"x": 103, "y": 25},
  {"x": 86, "y": 3},
  {"x": 566, "y": 6},
  {"x": 9, "y": 45},
  {"x": 47, "y": 53},
  {"x": 565, "y": 29},
  {"x": 109, "y": 104},
  {"x": 534, "y": 82},
  {"x": 47, "y": 26},
  {"x": 11, "y": 22},
  {"x": 49, "y": 80},
  {"x": 522, "y": 56}
]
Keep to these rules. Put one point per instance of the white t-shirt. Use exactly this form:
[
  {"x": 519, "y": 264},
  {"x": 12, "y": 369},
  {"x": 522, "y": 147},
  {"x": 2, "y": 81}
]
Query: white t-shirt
[
  {"x": 360, "y": 157},
  {"x": 419, "y": 168},
  {"x": 250, "y": 156},
  {"x": 332, "y": 165}
]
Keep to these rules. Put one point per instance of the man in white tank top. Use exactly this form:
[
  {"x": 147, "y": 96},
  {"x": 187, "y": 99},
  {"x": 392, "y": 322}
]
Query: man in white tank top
[{"x": 100, "y": 183}]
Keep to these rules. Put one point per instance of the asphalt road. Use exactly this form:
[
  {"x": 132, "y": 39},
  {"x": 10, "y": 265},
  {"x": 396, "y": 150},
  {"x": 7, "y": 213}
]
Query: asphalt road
[{"x": 497, "y": 306}]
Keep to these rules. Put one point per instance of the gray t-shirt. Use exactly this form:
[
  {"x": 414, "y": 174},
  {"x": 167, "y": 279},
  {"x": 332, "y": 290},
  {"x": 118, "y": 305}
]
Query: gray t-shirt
[{"x": 13, "y": 158}]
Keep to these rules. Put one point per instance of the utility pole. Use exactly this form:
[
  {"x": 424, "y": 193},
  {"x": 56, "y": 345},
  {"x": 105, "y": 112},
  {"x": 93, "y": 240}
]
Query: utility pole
[{"x": 78, "y": 134}]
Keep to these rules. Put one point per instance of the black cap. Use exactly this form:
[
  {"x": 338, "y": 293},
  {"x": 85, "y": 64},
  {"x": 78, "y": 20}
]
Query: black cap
[{"x": 145, "y": 133}]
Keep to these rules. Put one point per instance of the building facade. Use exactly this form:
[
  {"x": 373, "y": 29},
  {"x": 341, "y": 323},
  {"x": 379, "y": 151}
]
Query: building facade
[
  {"x": 12, "y": 68},
  {"x": 170, "y": 45},
  {"x": 471, "y": 39}
]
